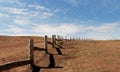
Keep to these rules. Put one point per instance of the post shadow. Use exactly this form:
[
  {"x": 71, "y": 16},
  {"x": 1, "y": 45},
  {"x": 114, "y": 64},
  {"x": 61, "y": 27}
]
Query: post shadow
[
  {"x": 60, "y": 46},
  {"x": 13, "y": 65},
  {"x": 58, "y": 51},
  {"x": 36, "y": 68},
  {"x": 51, "y": 64},
  {"x": 52, "y": 61}
]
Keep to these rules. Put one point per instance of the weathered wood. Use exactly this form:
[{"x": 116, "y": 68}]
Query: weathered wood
[
  {"x": 46, "y": 47},
  {"x": 53, "y": 41},
  {"x": 30, "y": 61},
  {"x": 58, "y": 39},
  {"x": 13, "y": 64},
  {"x": 31, "y": 46}
]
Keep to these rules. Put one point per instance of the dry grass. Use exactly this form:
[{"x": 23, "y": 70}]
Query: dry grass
[{"x": 78, "y": 56}]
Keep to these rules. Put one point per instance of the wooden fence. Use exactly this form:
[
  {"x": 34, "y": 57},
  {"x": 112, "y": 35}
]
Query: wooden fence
[{"x": 30, "y": 60}]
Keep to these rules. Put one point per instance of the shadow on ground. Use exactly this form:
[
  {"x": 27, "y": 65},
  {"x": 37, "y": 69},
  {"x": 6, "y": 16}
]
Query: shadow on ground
[{"x": 51, "y": 64}]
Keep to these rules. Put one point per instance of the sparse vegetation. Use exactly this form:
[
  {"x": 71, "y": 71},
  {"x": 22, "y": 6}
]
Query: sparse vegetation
[{"x": 77, "y": 56}]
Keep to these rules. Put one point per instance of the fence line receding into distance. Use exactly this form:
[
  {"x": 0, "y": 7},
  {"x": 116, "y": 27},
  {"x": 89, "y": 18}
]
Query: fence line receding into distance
[{"x": 30, "y": 60}]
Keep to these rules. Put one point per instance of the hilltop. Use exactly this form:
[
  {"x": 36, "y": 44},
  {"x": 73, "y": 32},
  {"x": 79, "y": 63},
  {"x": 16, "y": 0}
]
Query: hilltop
[{"x": 77, "y": 56}]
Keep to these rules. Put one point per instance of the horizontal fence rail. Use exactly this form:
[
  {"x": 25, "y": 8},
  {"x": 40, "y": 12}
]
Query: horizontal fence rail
[
  {"x": 12, "y": 64},
  {"x": 56, "y": 40}
]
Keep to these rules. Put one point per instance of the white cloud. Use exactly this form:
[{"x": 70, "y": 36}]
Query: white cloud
[
  {"x": 15, "y": 29},
  {"x": 67, "y": 29},
  {"x": 94, "y": 32},
  {"x": 13, "y": 10},
  {"x": 4, "y": 15},
  {"x": 11, "y": 2},
  {"x": 56, "y": 29},
  {"x": 18, "y": 11},
  {"x": 37, "y": 7},
  {"x": 106, "y": 27},
  {"x": 28, "y": 12},
  {"x": 22, "y": 16},
  {"x": 45, "y": 14},
  {"x": 21, "y": 21}
]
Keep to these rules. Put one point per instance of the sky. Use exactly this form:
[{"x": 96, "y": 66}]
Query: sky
[{"x": 94, "y": 19}]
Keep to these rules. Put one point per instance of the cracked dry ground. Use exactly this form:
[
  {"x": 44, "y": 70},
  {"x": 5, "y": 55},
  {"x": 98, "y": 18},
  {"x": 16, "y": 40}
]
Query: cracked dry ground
[{"x": 77, "y": 56}]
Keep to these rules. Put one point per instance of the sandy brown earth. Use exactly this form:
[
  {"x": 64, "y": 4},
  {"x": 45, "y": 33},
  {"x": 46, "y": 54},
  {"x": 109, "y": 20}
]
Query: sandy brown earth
[{"x": 75, "y": 56}]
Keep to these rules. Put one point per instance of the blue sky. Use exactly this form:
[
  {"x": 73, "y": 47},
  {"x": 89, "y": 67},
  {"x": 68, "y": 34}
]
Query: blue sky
[{"x": 96, "y": 19}]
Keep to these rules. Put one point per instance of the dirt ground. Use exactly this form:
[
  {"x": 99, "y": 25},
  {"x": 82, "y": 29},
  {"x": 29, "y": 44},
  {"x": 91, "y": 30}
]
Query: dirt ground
[{"x": 75, "y": 56}]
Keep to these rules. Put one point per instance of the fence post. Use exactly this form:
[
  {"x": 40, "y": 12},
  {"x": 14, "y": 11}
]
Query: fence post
[
  {"x": 46, "y": 47},
  {"x": 31, "y": 46},
  {"x": 52, "y": 40},
  {"x": 61, "y": 40},
  {"x": 58, "y": 38},
  {"x": 55, "y": 39},
  {"x": 53, "y": 44}
]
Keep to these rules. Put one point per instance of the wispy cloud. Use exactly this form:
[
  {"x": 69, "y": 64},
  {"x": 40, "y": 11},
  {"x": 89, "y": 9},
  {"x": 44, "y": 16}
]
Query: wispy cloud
[
  {"x": 21, "y": 21},
  {"x": 18, "y": 11},
  {"x": 53, "y": 29},
  {"x": 38, "y": 19},
  {"x": 15, "y": 29},
  {"x": 4, "y": 15},
  {"x": 37, "y": 7},
  {"x": 15, "y": 2},
  {"x": 14, "y": 10},
  {"x": 49, "y": 13},
  {"x": 12, "y": 30},
  {"x": 69, "y": 29},
  {"x": 23, "y": 15},
  {"x": 106, "y": 27}
]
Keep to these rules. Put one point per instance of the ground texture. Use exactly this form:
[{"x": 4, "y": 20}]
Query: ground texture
[{"x": 75, "y": 56}]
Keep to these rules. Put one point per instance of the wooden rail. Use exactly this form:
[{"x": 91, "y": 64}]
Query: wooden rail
[
  {"x": 30, "y": 60},
  {"x": 12, "y": 64}
]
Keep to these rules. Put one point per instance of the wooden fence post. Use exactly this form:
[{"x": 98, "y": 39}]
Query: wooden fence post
[
  {"x": 53, "y": 41},
  {"x": 46, "y": 47},
  {"x": 58, "y": 39},
  {"x": 61, "y": 40},
  {"x": 31, "y": 46}
]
